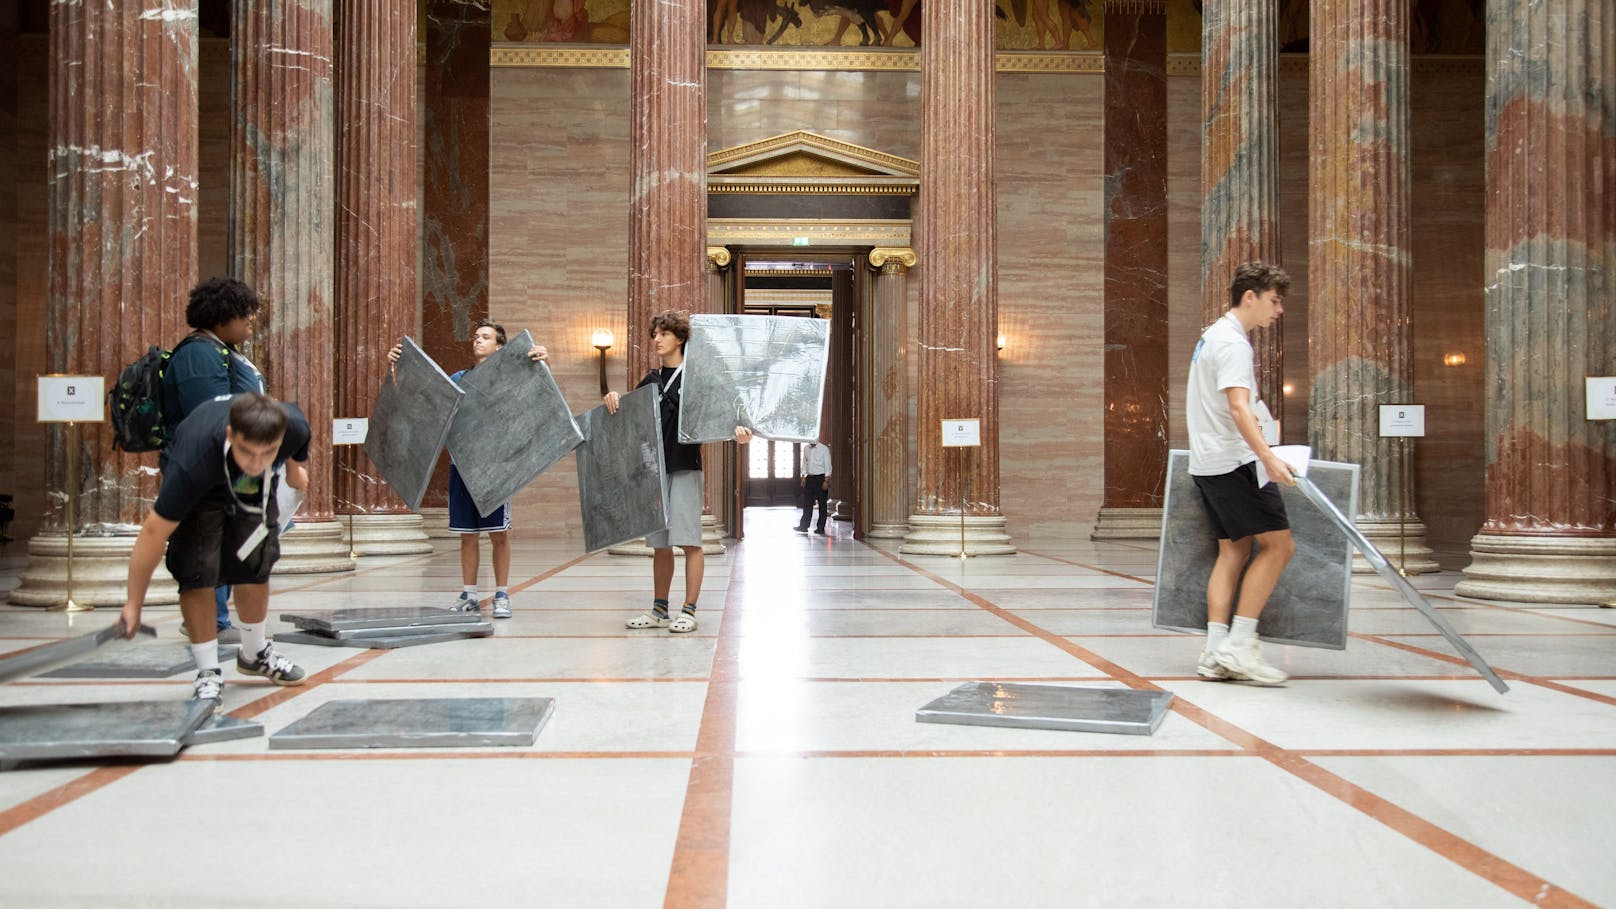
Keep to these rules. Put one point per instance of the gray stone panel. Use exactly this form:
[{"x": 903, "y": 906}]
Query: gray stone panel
[
  {"x": 514, "y": 425},
  {"x": 1308, "y": 607},
  {"x": 408, "y": 428},
  {"x": 332, "y": 620},
  {"x": 222, "y": 727},
  {"x": 76, "y": 731},
  {"x": 50, "y": 656},
  {"x": 138, "y": 661},
  {"x": 419, "y": 723},
  {"x": 1067, "y": 708},
  {"x": 386, "y": 642},
  {"x": 620, "y": 471},
  {"x": 766, "y": 373}
]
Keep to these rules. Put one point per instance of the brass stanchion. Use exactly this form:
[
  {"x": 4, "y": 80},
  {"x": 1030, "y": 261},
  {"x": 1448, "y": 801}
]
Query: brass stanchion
[{"x": 72, "y": 497}]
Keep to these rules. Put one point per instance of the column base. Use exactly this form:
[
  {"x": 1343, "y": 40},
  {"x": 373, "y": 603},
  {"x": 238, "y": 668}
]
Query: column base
[
  {"x": 638, "y": 548},
  {"x": 1127, "y": 524},
  {"x": 1541, "y": 569},
  {"x": 939, "y": 534},
  {"x": 1419, "y": 557},
  {"x": 386, "y": 534},
  {"x": 887, "y": 531},
  {"x": 100, "y": 573},
  {"x": 435, "y": 523},
  {"x": 712, "y": 535},
  {"x": 315, "y": 547}
]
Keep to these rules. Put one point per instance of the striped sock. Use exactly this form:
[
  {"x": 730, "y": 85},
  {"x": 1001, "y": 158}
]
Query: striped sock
[
  {"x": 659, "y": 608},
  {"x": 689, "y": 609}
]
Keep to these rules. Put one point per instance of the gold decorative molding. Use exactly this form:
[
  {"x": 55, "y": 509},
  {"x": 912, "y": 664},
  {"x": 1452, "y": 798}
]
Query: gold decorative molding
[
  {"x": 811, "y": 232},
  {"x": 1137, "y": 7},
  {"x": 1297, "y": 64},
  {"x": 896, "y": 255},
  {"x": 793, "y": 147},
  {"x": 800, "y": 186},
  {"x": 571, "y": 56},
  {"x": 901, "y": 60},
  {"x": 718, "y": 255},
  {"x": 814, "y": 272}
]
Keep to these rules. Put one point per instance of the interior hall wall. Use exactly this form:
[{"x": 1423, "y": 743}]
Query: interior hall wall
[
  {"x": 9, "y": 414},
  {"x": 213, "y": 161},
  {"x": 28, "y": 443}
]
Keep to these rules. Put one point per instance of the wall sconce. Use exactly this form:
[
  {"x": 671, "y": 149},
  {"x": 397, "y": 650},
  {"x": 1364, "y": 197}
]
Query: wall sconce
[
  {"x": 1287, "y": 388},
  {"x": 1000, "y": 339},
  {"x": 602, "y": 341},
  {"x": 1453, "y": 359}
]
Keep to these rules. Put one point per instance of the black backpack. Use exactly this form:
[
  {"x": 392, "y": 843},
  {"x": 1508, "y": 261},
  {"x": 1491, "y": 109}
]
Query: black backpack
[{"x": 136, "y": 402}]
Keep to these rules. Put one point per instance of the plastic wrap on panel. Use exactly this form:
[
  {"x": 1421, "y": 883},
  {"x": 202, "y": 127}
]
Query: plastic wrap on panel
[{"x": 766, "y": 373}]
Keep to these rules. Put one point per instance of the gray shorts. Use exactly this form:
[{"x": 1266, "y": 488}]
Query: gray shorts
[{"x": 683, "y": 494}]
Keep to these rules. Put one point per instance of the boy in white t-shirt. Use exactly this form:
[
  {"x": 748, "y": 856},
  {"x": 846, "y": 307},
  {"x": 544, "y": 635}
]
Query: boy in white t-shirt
[{"x": 1226, "y": 423}]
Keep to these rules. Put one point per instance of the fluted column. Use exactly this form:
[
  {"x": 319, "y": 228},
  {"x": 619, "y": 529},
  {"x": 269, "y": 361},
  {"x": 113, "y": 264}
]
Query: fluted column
[
  {"x": 376, "y": 248},
  {"x": 1358, "y": 259},
  {"x": 1240, "y": 162},
  {"x": 1550, "y": 532},
  {"x": 667, "y": 156},
  {"x": 959, "y": 312},
  {"x": 1136, "y": 393},
  {"x": 281, "y": 237},
  {"x": 454, "y": 199},
  {"x": 714, "y": 486},
  {"x": 122, "y": 240},
  {"x": 888, "y": 484}
]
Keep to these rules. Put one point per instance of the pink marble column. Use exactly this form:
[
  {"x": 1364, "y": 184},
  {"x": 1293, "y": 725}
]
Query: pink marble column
[
  {"x": 1136, "y": 393},
  {"x": 717, "y": 480},
  {"x": 888, "y": 485},
  {"x": 122, "y": 255},
  {"x": 281, "y": 238},
  {"x": 1550, "y": 532},
  {"x": 1358, "y": 259},
  {"x": 959, "y": 311},
  {"x": 667, "y": 155},
  {"x": 376, "y": 237},
  {"x": 1240, "y": 162},
  {"x": 454, "y": 197}
]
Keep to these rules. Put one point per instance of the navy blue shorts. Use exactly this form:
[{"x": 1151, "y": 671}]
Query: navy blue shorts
[
  {"x": 1239, "y": 509},
  {"x": 463, "y": 516}
]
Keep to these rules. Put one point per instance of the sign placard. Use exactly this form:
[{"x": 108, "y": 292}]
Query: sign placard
[
  {"x": 1601, "y": 397},
  {"x": 72, "y": 399},
  {"x": 962, "y": 433},
  {"x": 1402, "y": 420},
  {"x": 350, "y": 432}
]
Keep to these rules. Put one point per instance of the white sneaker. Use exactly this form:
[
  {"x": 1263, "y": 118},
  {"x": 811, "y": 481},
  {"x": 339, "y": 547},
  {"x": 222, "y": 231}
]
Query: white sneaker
[
  {"x": 684, "y": 624},
  {"x": 1245, "y": 662},
  {"x": 1209, "y": 668},
  {"x": 208, "y": 686},
  {"x": 647, "y": 620},
  {"x": 502, "y": 606},
  {"x": 465, "y": 603}
]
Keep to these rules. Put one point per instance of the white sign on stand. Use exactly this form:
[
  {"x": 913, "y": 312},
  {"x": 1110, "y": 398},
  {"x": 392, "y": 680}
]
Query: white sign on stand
[
  {"x": 72, "y": 399},
  {"x": 1402, "y": 420},
  {"x": 962, "y": 433},
  {"x": 1601, "y": 397},
  {"x": 350, "y": 432}
]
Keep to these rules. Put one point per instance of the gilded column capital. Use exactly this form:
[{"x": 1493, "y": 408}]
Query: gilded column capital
[
  {"x": 899, "y": 257},
  {"x": 718, "y": 257}
]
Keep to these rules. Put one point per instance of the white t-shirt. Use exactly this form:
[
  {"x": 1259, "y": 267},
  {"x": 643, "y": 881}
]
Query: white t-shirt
[{"x": 1222, "y": 359}]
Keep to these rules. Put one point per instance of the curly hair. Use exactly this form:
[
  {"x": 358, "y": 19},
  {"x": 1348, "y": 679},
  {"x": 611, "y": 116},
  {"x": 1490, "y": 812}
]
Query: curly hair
[
  {"x": 1260, "y": 277},
  {"x": 499, "y": 330},
  {"x": 674, "y": 322},
  {"x": 217, "y": 301}
]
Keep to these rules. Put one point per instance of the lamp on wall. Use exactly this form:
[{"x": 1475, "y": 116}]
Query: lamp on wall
[
  {"x": 1000, "y": 340},
  {"x": 602, "y": 341}
]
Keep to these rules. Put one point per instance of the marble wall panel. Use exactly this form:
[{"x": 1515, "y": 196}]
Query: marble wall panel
[
  {"x": 28, "y": 444},
  {"x": 8, "y": 259},
  {"x": 876, "y": 110},
  {"x": 620, "y": 470},
  {"x": 766, "y": 373},
  {"x": 213, "y": 159},
  {"x": 410, "y": 424}
]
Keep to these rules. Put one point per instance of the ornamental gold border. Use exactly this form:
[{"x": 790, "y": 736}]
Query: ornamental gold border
[
  {"x": 781, "y": 232},
  {"x": 902, "y": 60}
]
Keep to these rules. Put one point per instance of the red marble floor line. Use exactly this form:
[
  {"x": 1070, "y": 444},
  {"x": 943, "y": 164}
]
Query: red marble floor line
[
  {"x": 65, "y": 794},
  {"x": 264, "y": 704},
  {"x": 1455, "y": 752},
  {"x": 699, "y": 876},
  {"x": 1077, "y": 564},
  {"x": 1456, "y": 849},
  {"x": 1502, "y": 673}
]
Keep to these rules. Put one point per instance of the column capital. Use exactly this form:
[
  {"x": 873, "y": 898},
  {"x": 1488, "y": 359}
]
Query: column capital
[
  {"x": 899, "y": 257},
  {"x": 718, "y": 257}
]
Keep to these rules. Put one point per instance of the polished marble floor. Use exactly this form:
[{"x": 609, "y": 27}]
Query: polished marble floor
[{"x": 772, "y": 759}]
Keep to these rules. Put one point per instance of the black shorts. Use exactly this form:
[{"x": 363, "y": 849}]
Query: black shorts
[
  {"x": 1239, "y": 509},
  {"x": 202, "y": 550}
]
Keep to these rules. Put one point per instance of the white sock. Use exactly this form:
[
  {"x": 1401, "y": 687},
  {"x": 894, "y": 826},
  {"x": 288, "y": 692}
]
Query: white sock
[
  {"x": 252, "y": 638},
  {"x": 470, "y": 590},
  {"x": 1242, "y": 630},
  {"x": 1215, "y": 633},
  {"x": 504, "y": 588},
  {"x": 206, "y": 656}
]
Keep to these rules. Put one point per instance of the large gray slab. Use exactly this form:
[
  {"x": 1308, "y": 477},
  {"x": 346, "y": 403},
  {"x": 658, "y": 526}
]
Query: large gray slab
[
  {"x": 620, "y": 471},
  {"x": 333, "y": 620},
  {"x": 384, "y": 642},
  {"x": 125, "y": 729},
  {"x": 222, "y": 727},
  {"x": 1068, "y": 708},
  {"x": 138, "y": 661},
  {"x": 766, "y": 373},
  {"x": 419, "y": 723},
  {"x": 42, "y": 659},
  {"x": 469, "y": 629},
  {"x": 414, "y": 410},
  {"x": 514, "y": 425},
  {"x": 1308, "y": 607},
  {"x": 1383, "y": 567}
]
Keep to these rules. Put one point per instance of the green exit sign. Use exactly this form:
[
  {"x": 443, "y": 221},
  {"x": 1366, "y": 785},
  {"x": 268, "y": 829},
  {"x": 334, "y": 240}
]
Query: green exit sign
[{"x": 799, "y": 241}]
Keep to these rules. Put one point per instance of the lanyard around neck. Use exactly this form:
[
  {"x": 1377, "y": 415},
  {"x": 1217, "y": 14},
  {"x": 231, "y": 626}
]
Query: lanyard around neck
[{"x": 263, "y": 488}]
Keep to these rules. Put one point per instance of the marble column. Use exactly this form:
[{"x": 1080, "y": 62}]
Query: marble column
[
  {"x": 888, "y": 488},
  {"x": 281, "y": 237},
  {"x": 716, "y": 479},
  {"x": 1358, "y": 261},
  {"x": 376, "y": 237},
  {"x": 956, "y": 227},
  {"x": 1136, "y": 393},
  {"x": 1240, "y": 163},
  {"x": 454, "y": 198},
  {"x": 122, "y": 256},
  {"x": 1550, "y": 531}
]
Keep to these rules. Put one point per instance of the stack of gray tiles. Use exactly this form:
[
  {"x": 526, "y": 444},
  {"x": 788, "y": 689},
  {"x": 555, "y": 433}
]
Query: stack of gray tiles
[{"x": 383, "y": 628}]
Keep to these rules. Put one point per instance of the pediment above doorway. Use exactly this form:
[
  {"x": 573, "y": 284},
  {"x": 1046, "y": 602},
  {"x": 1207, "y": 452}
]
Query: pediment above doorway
[{"x": 805, "y": 162}]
